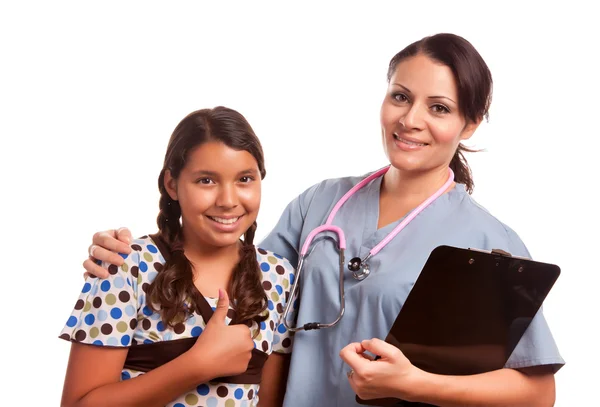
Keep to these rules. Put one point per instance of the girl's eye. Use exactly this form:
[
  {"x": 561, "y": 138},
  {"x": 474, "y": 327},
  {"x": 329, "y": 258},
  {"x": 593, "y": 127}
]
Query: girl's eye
[
  {"x": 204, "y": 181},
  {"x": 440, "y": 109},
  {"x": 245, "y": 179},
  {"x": 399, "y": 97}
]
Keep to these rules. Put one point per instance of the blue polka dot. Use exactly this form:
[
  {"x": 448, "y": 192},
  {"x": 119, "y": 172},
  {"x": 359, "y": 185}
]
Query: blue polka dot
[
  {"x": 278, "y": 256},
  {"x": 276, "y": 340},
  {"x": 125, "y": 339},
  {"x": 147, "y": 311},
  {"x": 136, "y": 257},
  {"x": 89, "y": 319},
  {"x": 244, "y": 403},
  {"x": 263, "y": 325},
  {"x": 125, "y": 375},
  {"x": 160, "y": 326},
  {"x": 168, "y": 336},
  {"x": 191, "y": 320},
  {"x": 116, "y": 313},
  {"x": 214, "y": 308},
  {"x": 155, "y": 316},
  {"x": 105, "y": 286},
  {"x": 151, "y": 276},
  {"x": 86, "y": 287},
  {"x": 71, "y": 322},
  {"x": 269, "y": 336},
  {"x": 265, "y": 266},
  {"x": 130, "y": 310},
  {"x": 123, "y": 255},
  {"x": 281, "y": 329},
  {"x": 292, "y": 278},
  {"x": 178, "y": 405},
  {"x": 239, "y": 393},
  {"x": 112, "y": 341},
  {"x": 119, "y": 282},
  {"x": 147, "y": 341},
  {"x": 196, "y": 331},
  {"x": 270, "y": 305},
  {"x": 102, "y": 315},
  {"x": 94, "y": 290},
  {"x": 98, "y": 342},
  {"x": 203, "y": 389},
  {"x": 128, "y": 282},
  {"x": 143, "y": 266},
  {"x": 279, "y": 289},
  {"x": 273, "y": 278},
  {"x": 212, "y": 402},
  {"x": 152, "y": 248}
]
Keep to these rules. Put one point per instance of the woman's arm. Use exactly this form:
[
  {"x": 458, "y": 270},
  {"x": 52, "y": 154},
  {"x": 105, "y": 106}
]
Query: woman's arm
[
  {"x": 274, "y": 379},
  {"x": 394, "y": 376}
]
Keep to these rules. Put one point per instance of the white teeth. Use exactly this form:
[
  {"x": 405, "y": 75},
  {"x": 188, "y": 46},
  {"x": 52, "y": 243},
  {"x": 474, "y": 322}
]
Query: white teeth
[
  {"x": 224, "y": 221},
  {"x": 412, "y": 143}
]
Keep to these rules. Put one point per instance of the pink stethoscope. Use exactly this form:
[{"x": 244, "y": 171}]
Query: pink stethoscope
[{"x": 359, "y": 267}]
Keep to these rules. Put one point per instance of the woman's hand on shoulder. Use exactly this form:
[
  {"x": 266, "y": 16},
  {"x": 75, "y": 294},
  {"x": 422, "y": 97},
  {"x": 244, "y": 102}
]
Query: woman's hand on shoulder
[{"x": 105, "y": 247}]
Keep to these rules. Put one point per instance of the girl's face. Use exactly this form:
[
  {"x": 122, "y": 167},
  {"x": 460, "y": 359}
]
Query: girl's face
[
  {"x": 219, "y": 193},
  {"x": 421, "y": 121}
]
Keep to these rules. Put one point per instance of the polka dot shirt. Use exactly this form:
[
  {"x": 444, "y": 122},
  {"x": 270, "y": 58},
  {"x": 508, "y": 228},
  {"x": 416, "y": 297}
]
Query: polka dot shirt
[{"x": 113, "y": 312}]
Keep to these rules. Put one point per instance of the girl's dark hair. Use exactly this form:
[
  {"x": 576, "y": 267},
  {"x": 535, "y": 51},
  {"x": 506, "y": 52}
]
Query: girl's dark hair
[
  {"x": 473, "y": 78},
  {"x": 174, "y": 284}
]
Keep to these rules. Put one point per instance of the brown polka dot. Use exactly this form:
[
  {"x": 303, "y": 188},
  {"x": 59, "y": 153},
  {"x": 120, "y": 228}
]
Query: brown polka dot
[
  {"x": 230, "y": 313},
  {"x": 279, "y": 269},
  {"x": 80, "y": 335},
  {"x": 144, "y": 237},
  {"x": 134, "y": 271},
  {"x": 97, "y": 302},
  {"x": 79, "y": 304},
  {"x": 136, "y": 247},
  {"x": 250, "y": 394},
  {"x": 65, "y": 336},
  {"x": 286, "y": 343},
  {"x": 261, "y": 251},
  {"x": 112, "y": 269},
  {"x": 179, "y": 328},
  {"x": 272, "y": 324},
  {"x": 265, "y": 346},
  {"x": 267, "y": 285},
  {"x": 145, "y": 287},
  {"x": 146, "y": 324},
  {"x": 158, "y": 266},
  {"x": 124, "y": 296},
  {"x": 279, "y": 308},
  {"x": 222, "y": 391},
  {"x": 106, "y": 329},
  {"x": 133, "y": 323}
]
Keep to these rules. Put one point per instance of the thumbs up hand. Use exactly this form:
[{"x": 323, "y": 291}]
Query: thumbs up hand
[{"x": 227, "y": 349}]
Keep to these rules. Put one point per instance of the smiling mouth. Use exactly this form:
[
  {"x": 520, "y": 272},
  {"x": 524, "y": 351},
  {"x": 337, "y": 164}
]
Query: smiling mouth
[
  {"x": 410, "y": 143},
  {"x": 224, "y": 221}
]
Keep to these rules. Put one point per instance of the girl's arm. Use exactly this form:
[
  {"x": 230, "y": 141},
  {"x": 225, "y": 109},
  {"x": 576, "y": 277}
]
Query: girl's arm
[{"x": 274, "y": 379}]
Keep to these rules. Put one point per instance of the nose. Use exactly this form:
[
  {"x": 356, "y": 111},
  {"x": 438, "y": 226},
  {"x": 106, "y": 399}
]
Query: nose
[
  {"x": 413, "y": 118},
  {"x": 227, "y": 197}
]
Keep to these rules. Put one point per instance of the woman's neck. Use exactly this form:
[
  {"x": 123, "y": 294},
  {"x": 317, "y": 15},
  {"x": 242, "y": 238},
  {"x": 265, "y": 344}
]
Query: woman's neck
[{"x": 413, "y": 187}]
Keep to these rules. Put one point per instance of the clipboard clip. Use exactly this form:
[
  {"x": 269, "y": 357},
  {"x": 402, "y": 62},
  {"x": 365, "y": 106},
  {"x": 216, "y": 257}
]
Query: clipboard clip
[{"x": 499, "y": 252}]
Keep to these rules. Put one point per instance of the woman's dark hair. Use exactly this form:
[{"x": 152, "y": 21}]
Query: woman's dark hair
[
  {"x": 473, "y": 78},
  {"x": 174, "y": 284}
]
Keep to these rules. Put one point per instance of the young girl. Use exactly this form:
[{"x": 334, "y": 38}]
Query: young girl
[{"x": 161, "y": 329}]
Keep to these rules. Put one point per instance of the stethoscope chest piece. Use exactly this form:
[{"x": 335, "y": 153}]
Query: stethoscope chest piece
[{"x": 359, "y": 270}]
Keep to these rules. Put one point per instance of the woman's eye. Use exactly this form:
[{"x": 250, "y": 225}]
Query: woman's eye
[
  {"x": 204, "y": 181},
  {"x": 440, "y": 109},
  {"x": 399, "y": 97}
]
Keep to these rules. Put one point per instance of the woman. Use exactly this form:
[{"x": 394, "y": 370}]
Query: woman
[{"x": 439, "y": 92}]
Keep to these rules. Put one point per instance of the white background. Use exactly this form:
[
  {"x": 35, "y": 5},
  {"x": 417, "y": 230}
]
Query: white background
[{"x": 90, "y": 92}]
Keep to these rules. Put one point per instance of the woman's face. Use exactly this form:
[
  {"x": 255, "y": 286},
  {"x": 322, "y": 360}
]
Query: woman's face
[{"x": 421, "y": 120}]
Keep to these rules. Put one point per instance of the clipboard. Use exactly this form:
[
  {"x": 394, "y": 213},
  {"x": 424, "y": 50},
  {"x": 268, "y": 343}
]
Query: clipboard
[{"x": 467, "y": 312}]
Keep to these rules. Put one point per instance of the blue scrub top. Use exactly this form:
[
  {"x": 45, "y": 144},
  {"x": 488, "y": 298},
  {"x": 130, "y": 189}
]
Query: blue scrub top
[{"x": 317, "y": 374}]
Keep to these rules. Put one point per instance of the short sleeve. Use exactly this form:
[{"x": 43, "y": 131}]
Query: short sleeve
[
  {"x": 536, "y": 346},
  {"x": 284, "y": 239},
  {"x": 282, "y": 337},
  {"x": 106, "y": 312}
]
